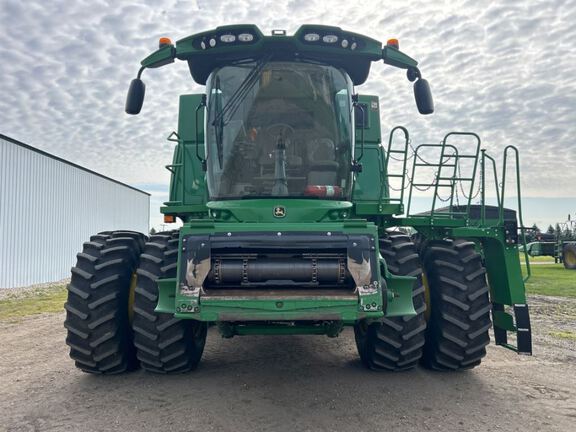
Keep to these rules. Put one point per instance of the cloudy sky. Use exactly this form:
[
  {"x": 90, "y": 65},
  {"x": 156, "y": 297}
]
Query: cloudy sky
[{"x": 505, "y": 69}]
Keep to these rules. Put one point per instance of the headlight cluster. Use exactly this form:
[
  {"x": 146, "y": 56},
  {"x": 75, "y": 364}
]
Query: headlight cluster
[
  {"x": 225, "y": 39},
  {"x": 331, "y": 39}
]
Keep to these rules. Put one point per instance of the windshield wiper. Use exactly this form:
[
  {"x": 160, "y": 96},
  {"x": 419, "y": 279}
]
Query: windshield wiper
[
  {"x": 242, "y": 91},
  {"x": 234, "y": 103}
]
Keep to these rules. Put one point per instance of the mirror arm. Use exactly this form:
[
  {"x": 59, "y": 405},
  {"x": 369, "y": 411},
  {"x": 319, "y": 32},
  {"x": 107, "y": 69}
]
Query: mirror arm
[
  {"x": 140, "y": 72},
  {"x": 161, "y": 57},
  {"x": 198, "y": 108},
  {"x": 413, "y": 74},
  {"x": 397, "y": 58}
]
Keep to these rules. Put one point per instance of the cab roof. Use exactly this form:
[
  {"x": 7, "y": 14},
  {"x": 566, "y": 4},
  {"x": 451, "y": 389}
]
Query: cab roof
[{"x": 225, "y": 45}]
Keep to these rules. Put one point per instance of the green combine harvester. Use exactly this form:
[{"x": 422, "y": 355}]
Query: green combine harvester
[{"x": 290, "y": 227}]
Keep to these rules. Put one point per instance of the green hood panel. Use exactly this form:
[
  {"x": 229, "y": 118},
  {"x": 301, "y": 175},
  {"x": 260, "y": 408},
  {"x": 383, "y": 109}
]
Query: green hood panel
[{"x": 281, "y": 210}]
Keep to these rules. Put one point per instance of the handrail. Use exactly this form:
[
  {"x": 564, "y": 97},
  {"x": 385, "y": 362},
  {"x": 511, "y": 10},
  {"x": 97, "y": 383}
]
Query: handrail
[
  {"x": 387, "y": 160},
  {"x": 355, "y": 104},
  {"x": 483, "y": 185},
  {"x": 475, "y": 155},
  {"x": 383, "y": 179},
  {"x": 518, "y": 191},
  {"x": 174, "y": 137},
  {"x": 436, "y": 180}
]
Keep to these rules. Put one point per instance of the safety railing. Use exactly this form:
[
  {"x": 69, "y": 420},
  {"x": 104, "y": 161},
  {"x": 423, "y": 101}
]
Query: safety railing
[
  {"x": 483, "y": 159},
  {"x": 440, "y": 181},
  {"x": 511, "y": 148},
  {"x": 398, "y": 154},
  {"x": 177, "y": 165},
  {"x": 448, "y": 176}
]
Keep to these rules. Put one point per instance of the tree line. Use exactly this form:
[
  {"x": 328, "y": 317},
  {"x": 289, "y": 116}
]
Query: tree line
[{"x": 560, "y": 231}]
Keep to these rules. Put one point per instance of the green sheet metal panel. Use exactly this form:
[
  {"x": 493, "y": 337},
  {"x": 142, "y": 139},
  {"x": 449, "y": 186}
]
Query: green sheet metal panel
[{"x": 187, "y": 185}]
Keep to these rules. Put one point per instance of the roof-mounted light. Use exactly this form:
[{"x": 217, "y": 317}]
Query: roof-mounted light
[
  {"x": 330, "y": 38},
  {"x": 164, "y": 41},
  {"x": 228, "y": 38},
  {"x": 393, "y": 43},
  {"x": 245, "y": 37},
  {"x": 312, "y": 37}
]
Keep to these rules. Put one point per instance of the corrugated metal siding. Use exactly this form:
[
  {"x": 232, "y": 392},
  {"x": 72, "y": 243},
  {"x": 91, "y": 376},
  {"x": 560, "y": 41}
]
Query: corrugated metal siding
[{"x": 48, "y": 208}]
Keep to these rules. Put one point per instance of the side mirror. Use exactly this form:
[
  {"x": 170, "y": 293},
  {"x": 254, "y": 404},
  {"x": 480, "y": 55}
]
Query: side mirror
[
  {"x": 423, "y": 97},
  {"x": 135, "y": 97}
]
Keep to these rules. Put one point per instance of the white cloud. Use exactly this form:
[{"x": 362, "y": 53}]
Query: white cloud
[{"x": 502, "y": 69}]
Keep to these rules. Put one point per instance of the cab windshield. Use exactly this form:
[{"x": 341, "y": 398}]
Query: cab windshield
[{"x": 279, "y": 129}]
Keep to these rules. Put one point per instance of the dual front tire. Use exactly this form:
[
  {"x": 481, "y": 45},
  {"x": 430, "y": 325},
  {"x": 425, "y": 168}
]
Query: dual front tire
[
  {"x": 112, "y": 326},
  {"x": 163, "y": 343},
  {"x": 453, "y": 333},
  {"x": 110, "y": 319},
  {"x": 396, "y": 343}
]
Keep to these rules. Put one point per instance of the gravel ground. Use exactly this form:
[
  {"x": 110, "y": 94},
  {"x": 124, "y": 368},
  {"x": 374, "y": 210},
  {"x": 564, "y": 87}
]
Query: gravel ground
[{"x": 290, "y": 383}]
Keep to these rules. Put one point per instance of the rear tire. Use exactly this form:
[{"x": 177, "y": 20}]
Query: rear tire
[
  {"x": 97, "y": 308},
  {"x": 395, "y": 343},
  {"x": 569, "y": 256},
  {"x": 457, "y": 333},
  {"x": 164, "y": 344}
]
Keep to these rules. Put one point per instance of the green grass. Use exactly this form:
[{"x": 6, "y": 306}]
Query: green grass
[
  {"x": 553, "y": 280},
  {"x": 564, "y": 335},
  {"x": 538, "y": 258},
  {"x": 32, "y": 303}
]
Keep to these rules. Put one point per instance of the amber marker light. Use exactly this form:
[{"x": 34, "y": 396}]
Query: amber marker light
[
  {"x": 164, "y": 41},
  {"x": 169, "y": 218},
  {"x": 393, "y": 43}
]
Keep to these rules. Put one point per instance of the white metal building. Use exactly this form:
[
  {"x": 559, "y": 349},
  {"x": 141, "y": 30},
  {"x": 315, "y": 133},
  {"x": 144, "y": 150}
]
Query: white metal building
[{"x": 49, "y": 207}]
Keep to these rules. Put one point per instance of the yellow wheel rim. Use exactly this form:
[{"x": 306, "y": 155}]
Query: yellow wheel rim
[
  {"x": 131, "y": 296},
  {"x": 426, "y": 296},
  {"x": 570, "y": 258}
]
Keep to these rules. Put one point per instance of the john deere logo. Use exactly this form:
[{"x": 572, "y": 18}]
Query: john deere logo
[{"x": 279, "y": 212}]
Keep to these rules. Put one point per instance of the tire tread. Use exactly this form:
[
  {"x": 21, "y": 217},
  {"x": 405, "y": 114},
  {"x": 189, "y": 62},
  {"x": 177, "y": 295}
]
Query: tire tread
[{"x": 457, "y": 332}]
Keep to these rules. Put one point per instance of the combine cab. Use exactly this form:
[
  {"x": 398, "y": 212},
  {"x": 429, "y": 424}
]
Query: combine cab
[{"x": 283, "y": 187}]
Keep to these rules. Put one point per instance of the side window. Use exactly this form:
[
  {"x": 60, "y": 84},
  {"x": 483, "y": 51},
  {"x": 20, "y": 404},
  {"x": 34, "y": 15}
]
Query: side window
[{"x": 362, "y": 116}]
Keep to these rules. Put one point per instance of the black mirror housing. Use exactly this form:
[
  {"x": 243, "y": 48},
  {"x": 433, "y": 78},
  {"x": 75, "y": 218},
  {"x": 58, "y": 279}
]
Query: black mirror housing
[
  {"x": 423, "y": 97},
  {"x": 135, "y": 97}
]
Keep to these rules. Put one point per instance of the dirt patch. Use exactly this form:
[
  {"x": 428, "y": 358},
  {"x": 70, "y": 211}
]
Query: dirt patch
[
  {"x": 554, "y": 321},
  {"x": 290, "y": 383}
]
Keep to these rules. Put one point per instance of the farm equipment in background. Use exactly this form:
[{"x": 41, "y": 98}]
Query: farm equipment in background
[
  {"x": 560, "y": 245},
  {"x": 283, "y": 187}
]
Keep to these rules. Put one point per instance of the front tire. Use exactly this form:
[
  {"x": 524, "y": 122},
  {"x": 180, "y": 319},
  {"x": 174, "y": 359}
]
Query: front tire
[
  {"x": 395, "y": 343},
  {"x": 457, "y": 333},
  {"x": 97, "y": 308},
  {"x": 164, "y": 344}
]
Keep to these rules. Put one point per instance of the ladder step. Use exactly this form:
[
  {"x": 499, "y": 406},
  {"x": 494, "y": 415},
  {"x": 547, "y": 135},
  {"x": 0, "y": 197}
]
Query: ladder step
[
  {"x": 435, "y": 165},
  {"x": 457, "y": 178},
  {"x": 430, "y": 185}
]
